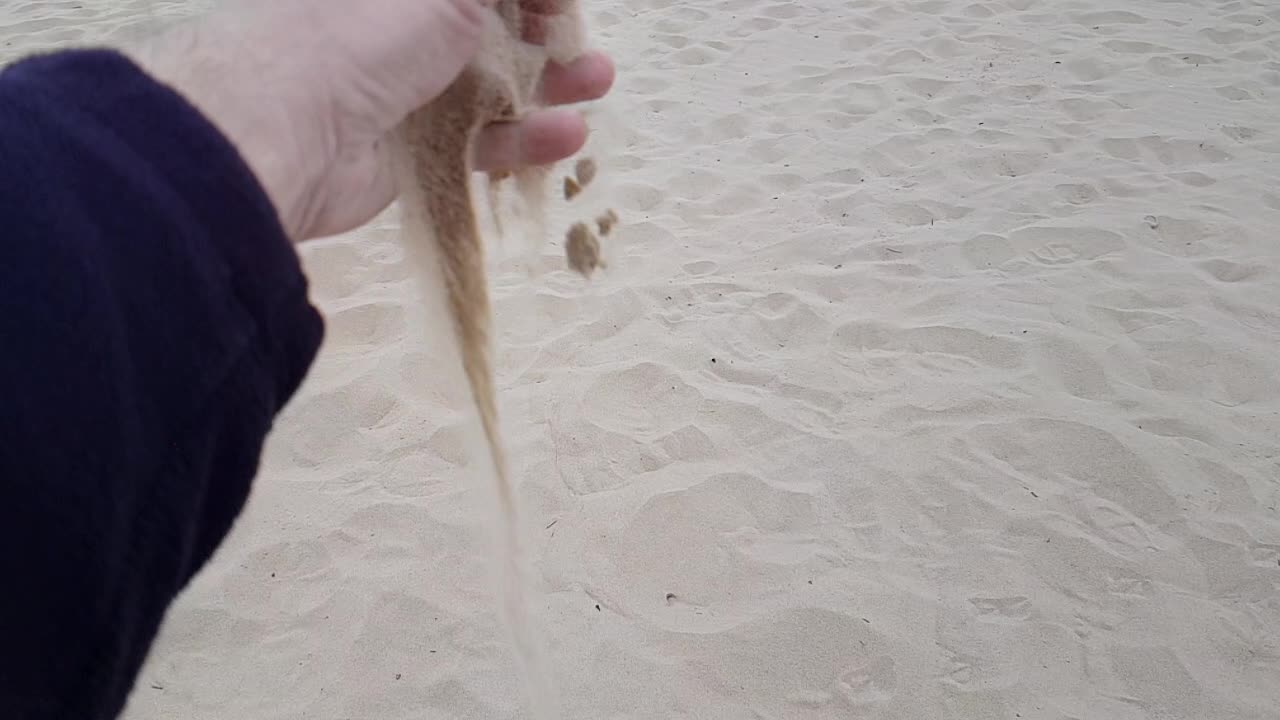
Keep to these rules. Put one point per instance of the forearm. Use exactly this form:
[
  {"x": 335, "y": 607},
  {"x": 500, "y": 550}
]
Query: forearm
[{"x": 155, "y": 321}]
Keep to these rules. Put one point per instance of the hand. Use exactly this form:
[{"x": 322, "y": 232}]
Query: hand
[{"x": 308, "y": 90}]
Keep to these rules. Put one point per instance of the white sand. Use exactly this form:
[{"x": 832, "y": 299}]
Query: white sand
[{"x": 936, "y": 378}]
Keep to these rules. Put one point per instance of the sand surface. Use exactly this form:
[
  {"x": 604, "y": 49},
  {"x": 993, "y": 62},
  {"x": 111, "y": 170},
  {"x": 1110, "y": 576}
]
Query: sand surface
[{"x": 936, "y": 376}]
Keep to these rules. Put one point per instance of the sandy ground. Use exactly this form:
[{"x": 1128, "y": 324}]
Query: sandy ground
[{"x": 935, "y": 377}]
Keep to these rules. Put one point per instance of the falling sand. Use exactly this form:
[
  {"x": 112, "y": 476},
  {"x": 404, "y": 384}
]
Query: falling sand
[{"x": 443, "y": 235}]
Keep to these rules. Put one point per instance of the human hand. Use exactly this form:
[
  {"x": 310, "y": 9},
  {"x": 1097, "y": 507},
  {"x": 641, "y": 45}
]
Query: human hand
[{"x": 308, "y": 91}]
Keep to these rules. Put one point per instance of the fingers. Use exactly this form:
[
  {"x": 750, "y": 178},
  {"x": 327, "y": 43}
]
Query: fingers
[
  {"x": 533, "y": 28},
  {"x": 541, "y": 138},
  {"x": 536, "y": 15},
  {"x": 587, "y": 78},
  {"x": 548, "y": 136},
  {"x": 543, "y": 7}
]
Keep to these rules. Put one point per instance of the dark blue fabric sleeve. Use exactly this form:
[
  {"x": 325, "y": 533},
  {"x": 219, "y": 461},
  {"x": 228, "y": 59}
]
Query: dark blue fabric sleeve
[{"x": 153, "y": 320}]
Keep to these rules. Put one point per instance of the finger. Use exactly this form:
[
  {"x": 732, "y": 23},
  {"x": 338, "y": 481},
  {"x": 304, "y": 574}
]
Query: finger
[
  {"x": 536, "y": 16},
  {"x": 587, "y": 78},
  {"x": 540, "y": 138},
  {"x": 533, "y": 27},
  {"x": 543, "y": 7}
]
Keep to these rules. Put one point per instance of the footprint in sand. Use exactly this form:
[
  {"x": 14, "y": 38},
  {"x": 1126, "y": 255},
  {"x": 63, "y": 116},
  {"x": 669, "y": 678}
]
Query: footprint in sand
[
  {"x": 1065, "y": 245},
  {"x": 988, "y": 251},
  {"x": 727, "y": 537},
  {"x": 1091, "y": 457},
  {"x": 1016, "y": 607},
  {"x": 337, "y": 420},
  {"x": 969, "y": 347},
  {"x": 821, "y": 663},
  {"x": 360, "y": 327}
]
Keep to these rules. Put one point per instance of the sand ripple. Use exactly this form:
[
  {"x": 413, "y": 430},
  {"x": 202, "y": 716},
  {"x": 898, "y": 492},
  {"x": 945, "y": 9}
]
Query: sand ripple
[{"x": 935, "y": 377}]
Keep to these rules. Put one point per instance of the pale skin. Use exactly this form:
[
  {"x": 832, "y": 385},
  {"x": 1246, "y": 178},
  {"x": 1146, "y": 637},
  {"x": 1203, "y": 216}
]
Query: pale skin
[
  {"x": 339, "y": 107},
  {"x": 309, "y": 92}
]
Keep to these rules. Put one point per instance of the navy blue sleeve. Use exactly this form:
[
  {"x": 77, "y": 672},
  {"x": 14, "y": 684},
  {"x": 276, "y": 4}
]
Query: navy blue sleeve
[{"x": 153, "y": 320}]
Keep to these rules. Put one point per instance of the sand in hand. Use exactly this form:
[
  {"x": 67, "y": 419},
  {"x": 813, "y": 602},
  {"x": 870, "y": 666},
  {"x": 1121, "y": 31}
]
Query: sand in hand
[
  {"x": 991, "y": 428},
  {"x": 443, "y": 236}
]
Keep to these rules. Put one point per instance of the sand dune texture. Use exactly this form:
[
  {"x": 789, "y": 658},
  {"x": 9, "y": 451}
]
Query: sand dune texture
[{"x": 935, "y": 376}]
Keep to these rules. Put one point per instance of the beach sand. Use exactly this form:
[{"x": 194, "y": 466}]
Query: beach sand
[{"x": 935, "y": 375}]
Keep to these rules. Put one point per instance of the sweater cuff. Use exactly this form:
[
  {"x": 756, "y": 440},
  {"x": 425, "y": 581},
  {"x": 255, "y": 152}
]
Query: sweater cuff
[{"x": 221, "y": 193}]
